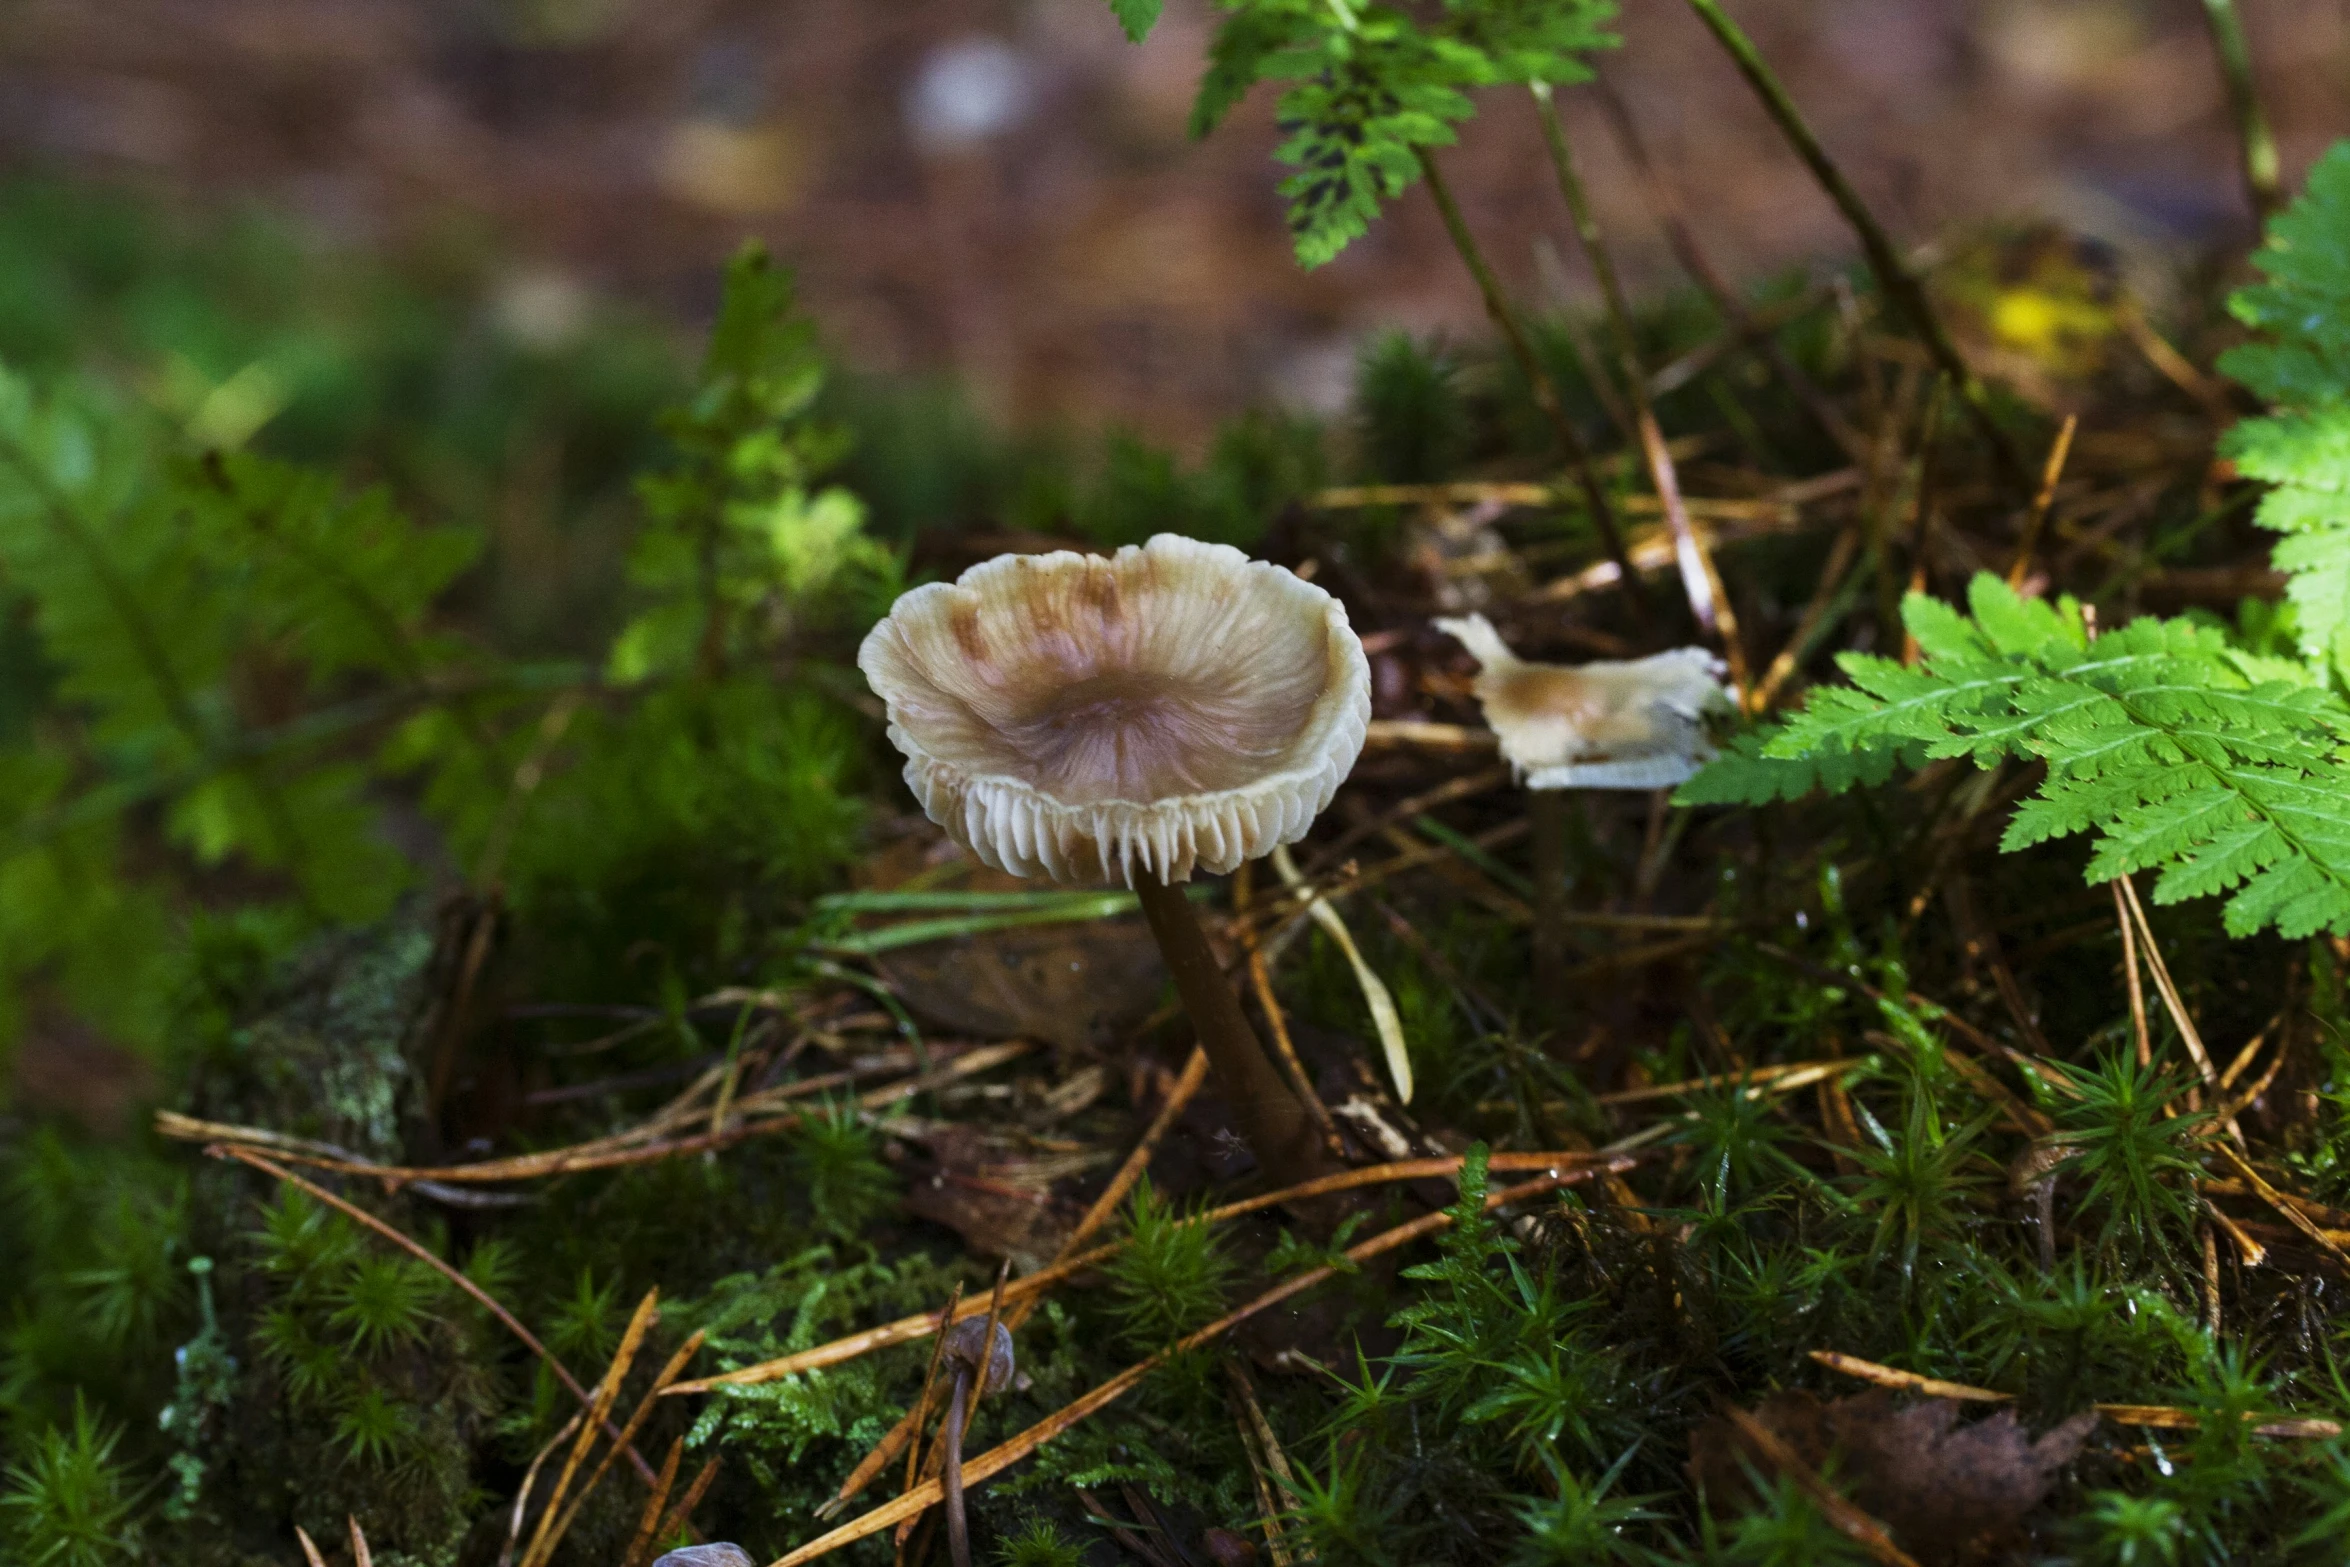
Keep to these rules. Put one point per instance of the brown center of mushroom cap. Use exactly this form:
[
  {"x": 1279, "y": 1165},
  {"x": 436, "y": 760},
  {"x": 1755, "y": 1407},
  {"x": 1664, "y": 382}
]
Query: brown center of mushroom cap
[
  {"x": 1104, "y": 684},
  {"x": 1125, "y": 736}
]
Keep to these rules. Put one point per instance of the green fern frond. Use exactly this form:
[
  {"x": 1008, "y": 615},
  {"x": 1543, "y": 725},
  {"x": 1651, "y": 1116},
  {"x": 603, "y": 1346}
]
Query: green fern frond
[
  {"x": 1370, "y": 86},
  {"x": 2179, "y": 754},
  {"x": 2301, "y": 365}
]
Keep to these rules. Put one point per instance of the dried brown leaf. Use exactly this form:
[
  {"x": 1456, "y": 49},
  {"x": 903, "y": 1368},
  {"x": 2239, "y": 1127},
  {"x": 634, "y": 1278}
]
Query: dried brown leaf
[
  {"x": 1080, "y": 987},
  {"x": 1948, "y": 1492}
]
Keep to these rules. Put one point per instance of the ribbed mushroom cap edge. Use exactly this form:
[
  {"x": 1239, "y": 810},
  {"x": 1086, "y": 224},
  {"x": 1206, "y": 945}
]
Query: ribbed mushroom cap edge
[{"x": 1173, "y": 708}]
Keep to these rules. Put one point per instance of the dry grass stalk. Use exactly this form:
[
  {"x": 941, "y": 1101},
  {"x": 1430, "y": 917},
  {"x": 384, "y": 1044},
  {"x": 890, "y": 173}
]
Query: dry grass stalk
[
  {"x": 1850, "y": 1521},
  {"x": 1187, "y": 1086},
  {"x": 1906, "y": 1381},
  {"x": 530, "y": 1480},
  {"x": 675, "y": 1518},
  {"x": 1264, "y": 1455},
  {"x": 640, "y": 1544},
  {"x": 604, "y": 1153},
  {"x": 423, "y": 1254},
  {"x": 667, "y": 1374},
  {"x": 907, "y": 1329},
  {"x": 1841, "y": 555},
  {"x": 2042, "y": 500},
  {"x": 2170, "y": 994},
  {"x": 2277, "y": 1200},
  {"x": 904, "y": 1434},
  {"x": 309, "y": 1550},
  {"x": 1452, "y": 791},
  {"x": 640, "y": 1323},
  {"x": 1003, "y": 1456},
  {"x": 2163, "y": 1416},
  {"x": 2253, "y": 1253}
]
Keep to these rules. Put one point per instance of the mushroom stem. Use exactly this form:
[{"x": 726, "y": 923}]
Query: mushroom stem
[
  {"x": 1548, "y": 808},
  {"x": 1276, "y": 1126},
  {"x": 950, "y": 1473}
]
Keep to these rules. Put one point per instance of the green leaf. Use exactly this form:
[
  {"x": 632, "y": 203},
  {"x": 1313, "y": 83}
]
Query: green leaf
[
  {"x": 2156, "y": 741},
  {"x": 1137, "y": 17}
]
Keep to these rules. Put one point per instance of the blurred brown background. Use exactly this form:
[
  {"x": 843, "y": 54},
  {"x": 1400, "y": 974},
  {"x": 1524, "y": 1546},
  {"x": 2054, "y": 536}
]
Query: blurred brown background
[{"x": 1003, "y": 189}]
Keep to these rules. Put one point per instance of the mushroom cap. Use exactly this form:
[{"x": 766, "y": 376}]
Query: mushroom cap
[
  {"x": 722, "y": 1554},
  {"x": 1170, "y": 708},
  {"x": 1630, "y": 724},
  {"x": 963, "y": 1345}
]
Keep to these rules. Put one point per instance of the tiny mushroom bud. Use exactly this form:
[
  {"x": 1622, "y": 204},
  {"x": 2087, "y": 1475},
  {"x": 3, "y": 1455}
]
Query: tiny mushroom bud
[
  {"x": 976, "y": 1365},
  {"x": 1172, "y": 708}
]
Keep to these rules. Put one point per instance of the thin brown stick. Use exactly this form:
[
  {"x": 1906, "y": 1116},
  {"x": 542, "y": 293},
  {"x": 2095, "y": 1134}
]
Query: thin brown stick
[
  {"x": 2167, "y": 1417},
  {"x": 912, "y": 1424},
  {"x": 999, "y": 1458},
  {"x": 687, "y": 1503},
  {"x": 907, "y": 1329},
  {"x": 309, "y": 1550},
  {"x": 361, "y": 1556},
  {"x": 1841, "y": 555},
  {"x": 2043, "y": 499},
  {"x": 644, "y": 1409},
  {"x": 2177, "y": 1008},
  {"x": 1893, "y": 275},
  {"x": 1260, "y": 978},
  {"x": 2159, "y": 1415},
  {"x": 603, "y": 1153},
  {"x": 1264, "y": 1452},
  {"x": 1447, "y": 793},
  {"x": 2250, "y": 1250},
  {"x": 453, "y": 1275},
  {"x": 640, "y": 1544},
  {"x": 1187, "y": 1085},
  {"x": 1906, "y": 1381},
  {"x": 640, "y": 1323},
  {"x": 2255, "y": 142},
  {"x": 1706, "y": 600},
  {"x": 2277, "y": 1200},
  {"x": 1855, "y": 1525},
  {"x": 2138, "y": 1025},
  {"x": 530, "y": 1478}
]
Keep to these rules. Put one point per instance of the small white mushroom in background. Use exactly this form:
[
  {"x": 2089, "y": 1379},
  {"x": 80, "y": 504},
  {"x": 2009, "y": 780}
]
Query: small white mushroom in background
[
  {"x": 1615, "y": 724},
  {"x": 1642, "y": 723}
]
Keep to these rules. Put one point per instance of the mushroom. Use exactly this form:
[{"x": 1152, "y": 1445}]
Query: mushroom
[
  {"x": 721, "y": 1554},
  {"x": 981, "y": 1359},
  {"x": 1642, "y": 723},
  {"x": 1136, "y": 718}
]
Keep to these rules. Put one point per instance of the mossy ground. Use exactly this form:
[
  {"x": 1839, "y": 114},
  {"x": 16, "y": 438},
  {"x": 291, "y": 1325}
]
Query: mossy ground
[{"x": 198, "y": 1359}]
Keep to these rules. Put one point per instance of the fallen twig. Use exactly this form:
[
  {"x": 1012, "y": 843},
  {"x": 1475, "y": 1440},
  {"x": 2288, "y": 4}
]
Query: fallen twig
[
  {"x": 907, "y": 1329},
  {"x": 999, "y": 1458}
]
